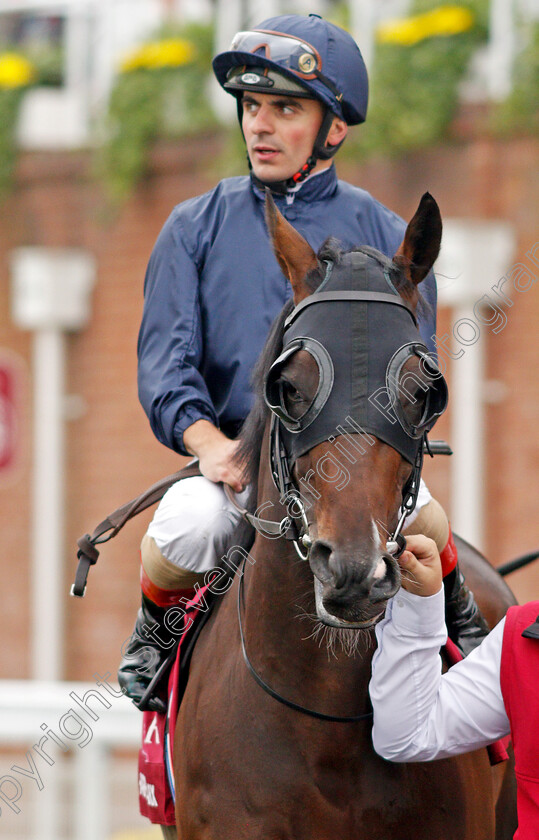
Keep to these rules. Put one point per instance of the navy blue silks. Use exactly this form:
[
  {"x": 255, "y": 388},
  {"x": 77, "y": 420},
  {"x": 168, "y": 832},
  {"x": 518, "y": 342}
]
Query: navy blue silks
[{"x": 213, "y": 288}]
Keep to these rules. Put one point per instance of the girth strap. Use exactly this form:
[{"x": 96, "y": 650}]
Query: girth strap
[{"x": 109, "y": 527}]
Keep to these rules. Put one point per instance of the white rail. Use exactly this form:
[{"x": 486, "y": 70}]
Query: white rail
[{"x": 46, "y": 726}]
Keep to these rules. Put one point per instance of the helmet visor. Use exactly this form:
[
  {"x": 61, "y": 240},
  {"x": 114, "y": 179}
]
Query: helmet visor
[
  {"x": 298, "y": 56},
  {"x": 265, "y": 80}
]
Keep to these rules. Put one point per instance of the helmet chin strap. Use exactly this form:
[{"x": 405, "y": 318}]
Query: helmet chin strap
[{"x": 320, "y": 152}]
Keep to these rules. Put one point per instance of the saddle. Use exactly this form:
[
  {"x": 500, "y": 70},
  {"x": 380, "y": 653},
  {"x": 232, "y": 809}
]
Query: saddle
[{"x": 156, "y": 777}]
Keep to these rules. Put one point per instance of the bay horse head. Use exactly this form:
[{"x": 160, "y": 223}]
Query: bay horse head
[{"x": 352, "y": 395}]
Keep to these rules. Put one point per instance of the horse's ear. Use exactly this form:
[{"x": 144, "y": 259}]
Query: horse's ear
[
  {"x": 293, "y": 252},
  {"x": 421, "y": 244}
]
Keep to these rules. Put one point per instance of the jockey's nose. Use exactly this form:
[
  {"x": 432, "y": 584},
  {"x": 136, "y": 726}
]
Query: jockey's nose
[{"x": 261, "y": 122}]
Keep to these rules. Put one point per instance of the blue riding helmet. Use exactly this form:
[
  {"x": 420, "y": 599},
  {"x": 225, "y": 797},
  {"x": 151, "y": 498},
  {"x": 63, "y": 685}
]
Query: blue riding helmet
[
  {"x": 299, "y": 56},
  {"x": 322, "y": 57}
]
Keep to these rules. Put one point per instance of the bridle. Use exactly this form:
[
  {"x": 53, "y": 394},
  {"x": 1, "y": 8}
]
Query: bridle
[
  {"x": 295, "y": 525},
  {"x": 289, "y": 528},
  {"x": 267, "y": 688}
]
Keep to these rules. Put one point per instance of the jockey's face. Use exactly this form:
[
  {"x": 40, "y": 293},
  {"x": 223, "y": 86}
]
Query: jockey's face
[{"x": 280, "y": 132}]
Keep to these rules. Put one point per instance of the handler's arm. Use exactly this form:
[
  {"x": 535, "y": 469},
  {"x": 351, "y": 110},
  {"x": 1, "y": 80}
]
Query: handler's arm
[{"x": 419, "y": 714}]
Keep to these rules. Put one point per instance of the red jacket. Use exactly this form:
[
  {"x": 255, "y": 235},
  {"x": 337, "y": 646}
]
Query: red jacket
[{"x": 519, "y": 679}]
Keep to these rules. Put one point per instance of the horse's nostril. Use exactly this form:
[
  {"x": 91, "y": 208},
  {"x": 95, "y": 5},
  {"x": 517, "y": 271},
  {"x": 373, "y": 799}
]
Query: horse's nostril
[
  {"x": 386, "y": 586},
  {"x": 319, "y": 561},
  {"x": 339, "y": 571}
]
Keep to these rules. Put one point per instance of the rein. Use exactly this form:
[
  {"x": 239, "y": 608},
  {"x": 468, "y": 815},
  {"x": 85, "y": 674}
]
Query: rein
[{"x": 272, "y": 693}]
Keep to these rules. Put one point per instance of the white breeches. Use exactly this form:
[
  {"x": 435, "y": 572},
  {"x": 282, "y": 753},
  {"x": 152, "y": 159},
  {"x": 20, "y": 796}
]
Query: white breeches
[{"x": 193, "y": 524}]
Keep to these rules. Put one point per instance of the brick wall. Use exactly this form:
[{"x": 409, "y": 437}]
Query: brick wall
[{"x": 111, "y": 453}]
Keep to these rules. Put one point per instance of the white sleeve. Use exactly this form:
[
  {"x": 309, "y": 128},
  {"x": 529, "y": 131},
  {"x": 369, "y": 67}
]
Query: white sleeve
[{"x": 420, "y": 714}]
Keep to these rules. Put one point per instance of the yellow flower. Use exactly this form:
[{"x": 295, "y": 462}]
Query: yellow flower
[
  {"x": 443, "y": 21},
  {"x": 15, "y": 70},
  {"x": 172, "y": 52}
]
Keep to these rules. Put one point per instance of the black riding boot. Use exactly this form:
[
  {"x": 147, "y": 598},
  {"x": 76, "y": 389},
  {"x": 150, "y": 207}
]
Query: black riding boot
[
  {"x": 144, "y": 658},
  {"x": 466, "y": 626}
]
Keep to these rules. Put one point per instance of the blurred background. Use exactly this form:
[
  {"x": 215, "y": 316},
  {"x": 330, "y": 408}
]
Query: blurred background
[{"x": 108, "y": 118}]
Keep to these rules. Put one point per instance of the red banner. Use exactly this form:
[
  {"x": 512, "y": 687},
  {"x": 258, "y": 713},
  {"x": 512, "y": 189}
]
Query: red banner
[{"x": 8, "y": 415}]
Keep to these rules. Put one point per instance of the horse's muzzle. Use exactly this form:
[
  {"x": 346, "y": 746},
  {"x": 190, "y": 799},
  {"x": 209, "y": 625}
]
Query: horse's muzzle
[{"x": 348, "y": 592}]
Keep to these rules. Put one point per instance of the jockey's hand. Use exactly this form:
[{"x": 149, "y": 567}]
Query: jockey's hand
[
  {"x": 421, "y": 566},
  {"x": 215, "y": 453}
]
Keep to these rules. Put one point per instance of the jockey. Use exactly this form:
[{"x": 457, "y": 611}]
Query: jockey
[{"x": 213, "y": 288}]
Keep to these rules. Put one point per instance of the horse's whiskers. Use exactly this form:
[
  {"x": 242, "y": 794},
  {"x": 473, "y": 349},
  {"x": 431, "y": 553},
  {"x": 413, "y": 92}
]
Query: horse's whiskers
[
  {"x": 319, "y": 634},
  {"x": 304, "y": 614},
  {"x": 409, "y": 577},
  {"x": 350, "y": 642}
]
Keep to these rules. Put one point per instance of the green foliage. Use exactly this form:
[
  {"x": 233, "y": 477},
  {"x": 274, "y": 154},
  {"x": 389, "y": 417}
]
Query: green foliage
[
  {"x": 520, "y": 112},
  {"x": 415, "y": 88},
  {"x": 161, "y": 92},
  {"x": 20, "y": 70},
  {"x": 9, "y": 110},
  {"x": 16, "y": 74},
  {"x": 49, "y": 63},
  {"x": 150, "y": 102}
]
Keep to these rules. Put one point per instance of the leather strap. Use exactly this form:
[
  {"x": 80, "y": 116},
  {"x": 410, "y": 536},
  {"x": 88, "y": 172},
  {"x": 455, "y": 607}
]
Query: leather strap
[
  {"x": 269, "y": 690},
  {"x": 114, "y": 522},
  {"x": 266, "y": 527},
  {"x": 372, "y": 297}
]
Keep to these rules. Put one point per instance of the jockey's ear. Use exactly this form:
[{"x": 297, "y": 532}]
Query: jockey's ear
[
  {"x": 421, "y": 244},
  {"x": 293, "y": 252}
]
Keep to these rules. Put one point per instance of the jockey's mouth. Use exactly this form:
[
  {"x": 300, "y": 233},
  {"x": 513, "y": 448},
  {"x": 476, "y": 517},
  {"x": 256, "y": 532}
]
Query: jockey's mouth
[{"x": 265, "y": 152}]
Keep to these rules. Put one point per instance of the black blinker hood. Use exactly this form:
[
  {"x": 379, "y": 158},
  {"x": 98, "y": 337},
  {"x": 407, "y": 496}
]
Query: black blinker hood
[{"x": 361, "y": 336}]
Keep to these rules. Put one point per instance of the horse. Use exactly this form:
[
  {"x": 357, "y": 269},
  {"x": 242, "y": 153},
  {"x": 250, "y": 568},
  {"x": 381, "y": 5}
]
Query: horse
[{"x": 273, "y": 736}]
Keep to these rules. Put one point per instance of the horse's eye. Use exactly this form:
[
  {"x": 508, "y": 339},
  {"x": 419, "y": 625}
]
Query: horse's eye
[
  {"x": 298, "y": 383},
  {"x": 291, "y": 394},
  {"x": 292, "y": 400},
  {"x": 413, "y": 393},
  {"x": 413, "y": 404},
  {"x": 417, "y": 389}
]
